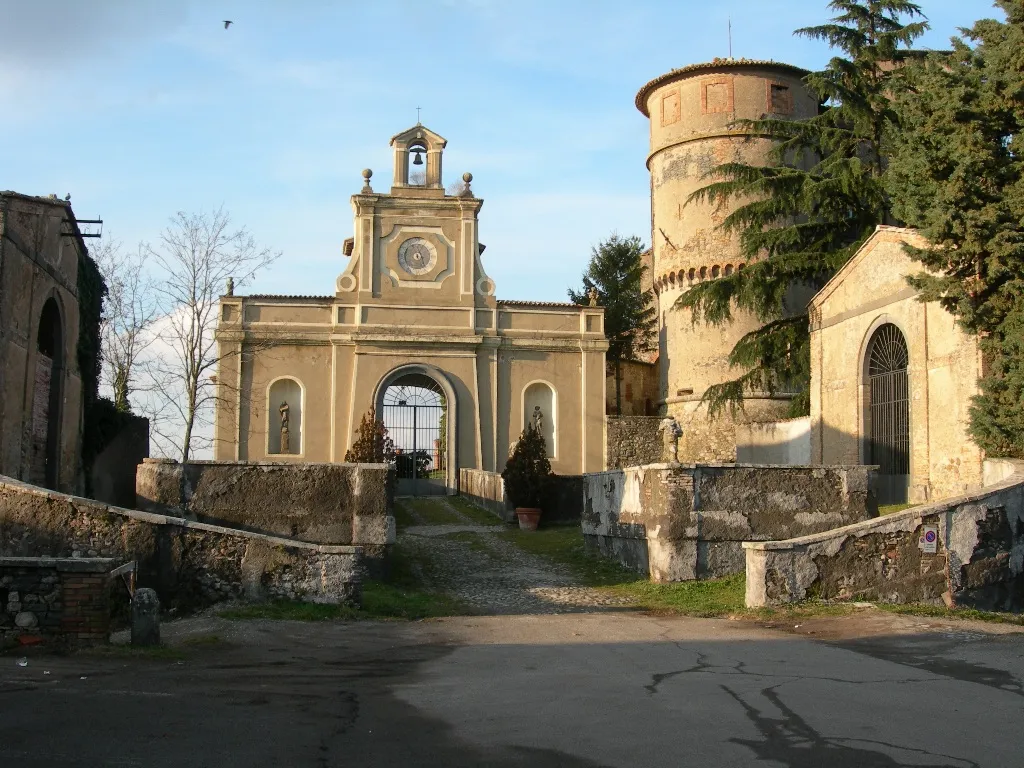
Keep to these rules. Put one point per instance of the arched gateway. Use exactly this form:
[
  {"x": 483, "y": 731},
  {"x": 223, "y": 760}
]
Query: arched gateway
[{"x": 413, "y": 332}]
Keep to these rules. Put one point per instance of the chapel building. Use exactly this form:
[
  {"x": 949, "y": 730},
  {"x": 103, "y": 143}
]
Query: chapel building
[{"x": 413, "y": 330}]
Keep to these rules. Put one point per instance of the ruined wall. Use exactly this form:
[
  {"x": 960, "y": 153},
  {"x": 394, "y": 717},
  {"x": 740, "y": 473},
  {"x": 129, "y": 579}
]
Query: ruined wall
[
  {"x": 978, "y": 562},
  {"x": 190, "y": 564},
  {"x": 62, "y": 601},
  {"x": 774, "y": 442},
  {"x": 683, "y": 522},
  {"x": 318, "y": 503},
  {"x": 634, "y": 440}
]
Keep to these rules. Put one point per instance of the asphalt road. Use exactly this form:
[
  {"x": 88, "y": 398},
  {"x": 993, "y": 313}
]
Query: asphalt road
[{"x": 868, "y": 691}]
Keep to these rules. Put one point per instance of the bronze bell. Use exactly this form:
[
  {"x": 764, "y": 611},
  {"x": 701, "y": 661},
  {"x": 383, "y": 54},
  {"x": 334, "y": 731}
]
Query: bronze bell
[{"x": 417, "y": 157}]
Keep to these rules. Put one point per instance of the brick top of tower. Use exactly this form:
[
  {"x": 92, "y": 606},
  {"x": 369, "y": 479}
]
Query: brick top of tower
[{"x": 711, "y": 66}]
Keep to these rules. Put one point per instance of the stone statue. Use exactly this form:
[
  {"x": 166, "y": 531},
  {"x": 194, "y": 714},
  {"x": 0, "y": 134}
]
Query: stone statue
[
  {"x": 285, "y": 437},
  {"x": 670, "y": 434},
  {"x": 230, "y": 290},
  {"x": 538, "y": 419},
  {"x": 592, "y": 295}
]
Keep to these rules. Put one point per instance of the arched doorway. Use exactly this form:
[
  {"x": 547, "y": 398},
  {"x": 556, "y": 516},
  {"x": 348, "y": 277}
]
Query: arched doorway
[
  {"x": 415, "y": 409},
  {"x": 47, "y": 397},
  {"x": 887, "y": 413}
]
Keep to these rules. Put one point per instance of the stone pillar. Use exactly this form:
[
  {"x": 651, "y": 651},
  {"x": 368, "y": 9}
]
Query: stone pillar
[{"x": 145, "y": 617}]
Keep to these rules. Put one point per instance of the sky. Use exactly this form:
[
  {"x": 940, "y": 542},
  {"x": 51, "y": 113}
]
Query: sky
[{"x": 142, "y": 108}]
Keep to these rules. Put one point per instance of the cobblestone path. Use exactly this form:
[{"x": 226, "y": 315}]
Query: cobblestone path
[{"x": 475, "y": 564}]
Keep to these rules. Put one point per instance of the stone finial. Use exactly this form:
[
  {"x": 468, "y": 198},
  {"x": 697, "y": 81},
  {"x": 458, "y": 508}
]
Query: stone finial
[
  {"x": 229, "y": 289},
  {"x": 367, "y": 189},
  {"x": 145, "y": 617},
  {"x": 467, "y": 179}
]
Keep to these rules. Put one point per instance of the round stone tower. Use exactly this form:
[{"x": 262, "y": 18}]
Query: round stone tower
[{"x": 691, "y": 110}]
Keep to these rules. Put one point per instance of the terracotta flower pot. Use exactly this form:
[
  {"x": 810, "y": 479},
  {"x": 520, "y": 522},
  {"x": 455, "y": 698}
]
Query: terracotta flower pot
[{"x": 528, "y": 518}]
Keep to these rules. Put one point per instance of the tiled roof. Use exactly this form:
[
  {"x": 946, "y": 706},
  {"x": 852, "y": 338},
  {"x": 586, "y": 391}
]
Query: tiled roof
[{"x": 716, "y": 64}]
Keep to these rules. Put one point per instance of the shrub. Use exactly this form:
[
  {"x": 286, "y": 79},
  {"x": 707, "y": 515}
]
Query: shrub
[{"x": 528, "y": 470}]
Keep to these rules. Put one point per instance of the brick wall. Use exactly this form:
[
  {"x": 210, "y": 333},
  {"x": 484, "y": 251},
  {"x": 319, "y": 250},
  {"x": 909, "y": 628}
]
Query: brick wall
[{"x": 66, "y": 601}]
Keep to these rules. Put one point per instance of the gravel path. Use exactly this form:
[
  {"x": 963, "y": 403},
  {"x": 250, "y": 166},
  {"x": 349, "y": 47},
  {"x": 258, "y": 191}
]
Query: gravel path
[{"x": 474, "y": 564}]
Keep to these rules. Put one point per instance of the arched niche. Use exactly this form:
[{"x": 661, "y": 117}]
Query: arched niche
[
  {"x": 886, "y": 410},
  {"x": 541, "y": 395},
  {"x": 48, "y": 396},
  {"x": 283, "y": 391}
]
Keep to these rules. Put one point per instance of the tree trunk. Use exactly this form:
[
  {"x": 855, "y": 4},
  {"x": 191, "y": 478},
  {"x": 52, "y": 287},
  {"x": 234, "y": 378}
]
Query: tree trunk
[{"x": 618, "y": 387}]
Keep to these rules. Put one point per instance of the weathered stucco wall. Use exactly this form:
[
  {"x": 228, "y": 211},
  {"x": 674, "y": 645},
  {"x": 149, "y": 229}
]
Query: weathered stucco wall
[
  {"x": 639, "y": 387},
  {"x": 190, "y": 564},
  {"x": 774, "y": 442},
  {"x": 318, "y": 503},
  {"x": 942, "y": 371},
  {"x": 634, "y": 440},
  {"x": 978, "y": 562},
  {"x": 562, "y": 504},
  {"x": 683, "y": 522}
]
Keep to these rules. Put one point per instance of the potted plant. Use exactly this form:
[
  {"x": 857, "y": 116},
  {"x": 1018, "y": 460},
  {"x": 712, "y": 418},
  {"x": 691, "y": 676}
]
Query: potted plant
[{"x": 526, "y": 476}]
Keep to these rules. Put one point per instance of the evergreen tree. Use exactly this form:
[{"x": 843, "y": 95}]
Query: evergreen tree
[
  {"x": 527, "y": 471},
  {"x": 615, "y": 273},
  {"x": 957, "y": 174},
  {"x": 803, "y": 216},
  {"x": 373, "y": 445}
]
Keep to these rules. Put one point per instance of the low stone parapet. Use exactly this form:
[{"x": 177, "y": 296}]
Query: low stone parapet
[
  {"x": 965, "y": 551},
  {"x": 190, "y": 564},
  {"x": 677, "y": 522},
  {"x": 562, "y": 503}
]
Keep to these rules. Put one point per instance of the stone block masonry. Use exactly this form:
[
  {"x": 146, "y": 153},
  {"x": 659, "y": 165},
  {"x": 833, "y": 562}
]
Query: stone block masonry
[
  {"x": 190, "y": 564},
  {"x": 63, "y": 601},
  {"x": 677, "y": 522},
  {"x": 978, "y": 557},
  {"x": 634, "y": 440}
]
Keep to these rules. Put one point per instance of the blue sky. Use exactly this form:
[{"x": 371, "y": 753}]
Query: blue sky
[{"x": 141, "y": 108}]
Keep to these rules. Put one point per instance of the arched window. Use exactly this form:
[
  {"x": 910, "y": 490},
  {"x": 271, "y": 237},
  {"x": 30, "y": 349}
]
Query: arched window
[
  {"x": 540, "y": 403},
  {"x": 285, "y": 408},
  {"x": 887, "y": 414},
  {"x": 417, "y": 164}
]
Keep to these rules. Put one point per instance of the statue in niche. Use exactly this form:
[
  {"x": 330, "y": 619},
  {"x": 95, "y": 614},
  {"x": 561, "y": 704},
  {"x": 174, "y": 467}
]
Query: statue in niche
[
  {"x": 538, "y": 419},
  {"x": 670, "y": 434},
  {"x": 285, "y": 436}
]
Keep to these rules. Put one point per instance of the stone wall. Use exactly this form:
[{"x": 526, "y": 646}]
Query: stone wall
[
  {"x": 55, "y": 600},
  {"x": 317, "y": 503},
  {"x": 978, "y": 559},
  {"x": 680, "y": 522},
  {"x": 774, "y": 442},
  {"x": 190, "y": 564},
  {"x": 562, "y": 504},
  {"x": 634, "y": 440}
]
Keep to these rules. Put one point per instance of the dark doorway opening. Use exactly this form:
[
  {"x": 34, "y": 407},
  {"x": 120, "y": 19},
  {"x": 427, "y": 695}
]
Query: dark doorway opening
[{"x": 48, "y": 398}]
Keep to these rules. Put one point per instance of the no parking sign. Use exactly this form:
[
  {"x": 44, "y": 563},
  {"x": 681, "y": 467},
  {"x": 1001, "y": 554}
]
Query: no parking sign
[{"x": 929, "y": 540}]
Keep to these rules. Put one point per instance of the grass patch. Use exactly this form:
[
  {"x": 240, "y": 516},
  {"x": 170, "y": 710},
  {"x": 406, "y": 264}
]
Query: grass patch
[
  {"x": 941, "y": 612},
  {"x": 427, "y": 511},
  {"x": 478, "y": 515},
  {"x": 403, "y": 515},
  {"x": 564, "y": 545},
  {"x": 889, "y": 509},
  {"x": 714, "y": 597},
  {"x": 472, "y": 540}
]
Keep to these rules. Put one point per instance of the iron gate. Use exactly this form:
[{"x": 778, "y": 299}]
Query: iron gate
[
  {"x": 889, "y": 414},
  {"x": 415, "y": 417}
]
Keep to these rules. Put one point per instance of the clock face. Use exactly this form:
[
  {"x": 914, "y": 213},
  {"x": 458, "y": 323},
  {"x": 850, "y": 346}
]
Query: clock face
[{"x": 417, "y": 256}]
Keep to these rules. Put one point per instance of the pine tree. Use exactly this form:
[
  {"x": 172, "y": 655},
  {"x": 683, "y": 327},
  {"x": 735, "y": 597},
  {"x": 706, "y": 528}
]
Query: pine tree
[
  {"x": 616, "y": 273},
  {"x": 957, "y": 174},
  {"x": 802, "y": 217},
  {"x": 373, "y": 445}
]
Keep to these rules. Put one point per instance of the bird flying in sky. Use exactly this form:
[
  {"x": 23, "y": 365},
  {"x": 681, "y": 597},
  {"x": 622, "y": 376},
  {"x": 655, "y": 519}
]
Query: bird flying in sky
[{"x": 227, "y": 23}]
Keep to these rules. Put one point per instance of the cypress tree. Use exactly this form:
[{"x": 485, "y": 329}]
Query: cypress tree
[
  {"x": 804, "y": 215},
  {"x": 616, "y": 273},
  {"x": 957, "y": 174}
]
